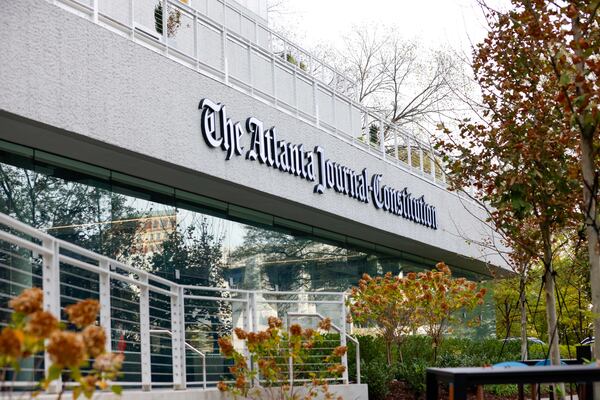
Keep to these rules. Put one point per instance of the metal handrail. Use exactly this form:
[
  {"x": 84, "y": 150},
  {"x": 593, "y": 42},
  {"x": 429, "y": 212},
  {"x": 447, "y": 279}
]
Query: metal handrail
[
  {"x": 341, "y": 332},
  {"x": 54, "y": 253},
  {"x": 189, "y": 346},
  {"x": 368, "y": 116}
]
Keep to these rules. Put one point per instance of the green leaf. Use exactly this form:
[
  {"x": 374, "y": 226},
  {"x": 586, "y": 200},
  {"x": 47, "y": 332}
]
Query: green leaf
[
  {"x": 54, "y": 372},
  {"x": 565, "y": 79},
  {"x": 76, "y": 392},
  {"x": 17, "y": 318},
  {"x": 75, "y": 373},
  {"x": 116, "y": 389}
]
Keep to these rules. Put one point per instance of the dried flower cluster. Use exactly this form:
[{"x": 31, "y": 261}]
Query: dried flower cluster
[
  {"x": 399, "y": 306},
  {"x": 83, "y": 313},
  {"x": 271, "y": 351},
  {"x": 68, "y": 350}
]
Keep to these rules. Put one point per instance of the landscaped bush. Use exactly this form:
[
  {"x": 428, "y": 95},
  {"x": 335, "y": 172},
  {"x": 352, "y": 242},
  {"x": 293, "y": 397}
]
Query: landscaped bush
[
  {"x": 378, "y": 376},
  {"x": 417, "y": 355}
]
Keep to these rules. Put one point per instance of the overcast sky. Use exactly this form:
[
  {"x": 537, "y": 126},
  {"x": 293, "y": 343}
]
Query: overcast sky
[{"x": 438, "y": 22}]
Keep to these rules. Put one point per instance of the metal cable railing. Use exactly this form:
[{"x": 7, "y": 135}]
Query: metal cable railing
[
  {"x": 218, "y": 40},
  {"x": 168, "y": 332}
]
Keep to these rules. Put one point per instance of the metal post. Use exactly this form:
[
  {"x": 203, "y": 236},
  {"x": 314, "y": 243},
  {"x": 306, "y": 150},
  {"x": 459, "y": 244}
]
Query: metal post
[
  {"x": 105, "y": 307},
  {"x": 296, "y": 87},
  {"x": 290, "y": 360},
  {"x": 316, "y": 101},
  {"x": 273, "y": 82},
  {"x": 409, "y": 150},
  {"x": 165, "y": 18},
  {"x": 196, "y": 40},
  {"x": 343, "y": 342},
  {"x": 250, "y": 74},
  {"x": 132, "y": 15},
  {"x": 145, "y": 333},
  {"x": 51, "y": 289},
  {"x": 224, "y": 51},
  {"x": 95, "y": 11},
  {"x": 254, "y": 328},
  {"x": 178, "y": 338},
  {"x": 381, "y": 138},
  {"x": 357, "y": 361},
  {"x": 396, "y": 145},
  {"x": 334, "y": 119}
]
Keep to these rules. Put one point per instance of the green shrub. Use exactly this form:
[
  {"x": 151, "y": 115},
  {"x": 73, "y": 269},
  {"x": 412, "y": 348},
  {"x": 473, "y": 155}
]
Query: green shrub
[
  {"x": 502, "y": 390},
  {"x": 378, "y": 376},
  {"x": 414, "y": 375}
]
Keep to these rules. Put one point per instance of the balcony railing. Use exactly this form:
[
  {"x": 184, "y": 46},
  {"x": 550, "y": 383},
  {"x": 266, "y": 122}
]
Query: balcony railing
[
  {"x": 217, "y": 39},
  {"x": 167, "y": 331}
]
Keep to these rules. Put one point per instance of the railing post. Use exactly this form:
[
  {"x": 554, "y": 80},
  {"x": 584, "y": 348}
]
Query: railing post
[
  {"x": 343, "y": 341},
  {"x": 409, "y": 151},
  {"x": 132, "y": 18},
  {"x": 396, "y": 145},
  {"x": 178, "y": 337},
  {"x": 248, "y": 327},
  {"x": 316, "y": 101},
  {"x": 51, "y": 289},
  {"x": 145, "y": 333},
  {"x": 381, "y": 138},
  {"x": 104, "y": 291},
  {"x": 254, "y": 318},
  {"x": 165, "y": 24},
  {"x": 290, "y": 360},
  {"x": 95, "y": 11},
  {"x": 196, "y": 40},
  {"x": 273, "y": 80}
]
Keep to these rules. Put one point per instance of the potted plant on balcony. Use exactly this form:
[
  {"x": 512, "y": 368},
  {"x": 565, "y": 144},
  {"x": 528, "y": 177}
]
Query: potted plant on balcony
[{"x": 173, "y": 20}]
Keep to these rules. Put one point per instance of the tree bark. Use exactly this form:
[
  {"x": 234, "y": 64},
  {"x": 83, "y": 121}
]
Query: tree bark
[
  {"x": 523, "y": 310},
  {"x": 593, "y": 239},
  {"x": 550, "y": 295}
]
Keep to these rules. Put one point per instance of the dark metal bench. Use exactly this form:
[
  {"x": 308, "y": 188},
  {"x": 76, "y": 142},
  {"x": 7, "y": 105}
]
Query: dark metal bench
[{"x": 462, "y": 378}]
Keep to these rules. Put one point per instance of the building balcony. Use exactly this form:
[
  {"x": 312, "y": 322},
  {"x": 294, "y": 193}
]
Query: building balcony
[{"x": 234, "y": 45}]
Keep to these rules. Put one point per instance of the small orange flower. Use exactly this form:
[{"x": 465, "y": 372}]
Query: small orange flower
[
  {"x": 240, "y": 382},
  {"x": 240, "y": 333},
  {"x": 95, "y": 340},
  {"x": 340, "y": 351},
  {"x": 263, "y": 336},
  {"x": 28, "y": 302},
  {"x": 274, "y": 322},
  {"x": 109, "y": 362},
  {"x": 66, "y": 349},
  {"x": 308, "y": 333},
  {"x": 41, "y": 324},
  {"x": 90, "y": 381},
  {"x": 83, "y": 313},
  {"x": 226, "y": 346},
  {"x": 222, "y": 386},
  {"x": 325, "y": 324},
  {"x": 10, "y": 343},
  {"x": 295, "y": 330},
  {"x": 337, "y": 369}
]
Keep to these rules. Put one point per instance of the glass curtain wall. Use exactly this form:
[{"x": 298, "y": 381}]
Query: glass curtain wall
[{"x": 181, "y": 236}]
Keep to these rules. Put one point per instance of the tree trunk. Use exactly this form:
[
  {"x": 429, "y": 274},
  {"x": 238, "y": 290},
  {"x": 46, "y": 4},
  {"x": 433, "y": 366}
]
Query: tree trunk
[
  {"x": 523, "y": 310},
  {"x": 551, "y": 318},
  {"x": 591, "y": 222},
  {"x": 388, "y": 351}
]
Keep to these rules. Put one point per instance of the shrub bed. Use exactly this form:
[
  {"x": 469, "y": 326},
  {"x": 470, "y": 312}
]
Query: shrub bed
[{"x": 417, "y": 354}]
